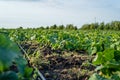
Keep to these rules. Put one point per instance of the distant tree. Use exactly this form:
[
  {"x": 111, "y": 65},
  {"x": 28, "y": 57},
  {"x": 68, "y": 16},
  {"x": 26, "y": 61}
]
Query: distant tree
[
  {"x": 61, "y": 27},
  {"x": 75, "y": 28},
  {"x": 71, "y": 27},
  {"x": 47, "y": 27},
  {"x": 41, "y": 27},
  {"x": 20, "y": 27},
  {"x": 96, "y": 25},
  {"x": 101, "y": 26},
  {"x": 53, "y": 26},
  {"x": 85, "y": 27},
  {"x": 107, "y": 26},
  {"x": 92, "y": 26},
  {"x": 116, "y": 25}
]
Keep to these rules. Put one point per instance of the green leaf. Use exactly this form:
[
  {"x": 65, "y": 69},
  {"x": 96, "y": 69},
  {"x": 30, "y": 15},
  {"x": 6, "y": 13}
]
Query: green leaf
[
  {"x": 94, "y": 50},
  {"x": 115, "y": 77},
  {"x": 1, "y": 67},
  {"x": 113, "y": 65},
  {"x": 108, "y": 54},
  {"x": 112, "y": 46},
  {"x": 99, "y": 68},
  {"x": 98, "y": 59},
  {"x": 28, "y": 72},
  {"x": 10, "y": 75},
  {"x": 97, "y": 77},
  {"x": 21, "y": 63},
  {"x": 8, "y": 51},
  {"x": 117, "y": 55}
]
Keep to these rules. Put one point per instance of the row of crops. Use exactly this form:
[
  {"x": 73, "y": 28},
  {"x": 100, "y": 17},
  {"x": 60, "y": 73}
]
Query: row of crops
[
  {"x": 105, "y": 45},
  {"x": 90, "y": 41}
]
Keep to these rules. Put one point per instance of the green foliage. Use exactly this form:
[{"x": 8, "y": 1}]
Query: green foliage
[
  {"x": 114, "y": 25},
  {"x": 9, "y": 75},
  {"x": 10, "y": 56},
  {"x": 103, "y": 57},
  {"x": 73, "y": 40},
  {"x": 27, "y": 72},
  {"x": 97, "y": 77},
  {"x": 109, "y": 65},
  {"x": 8, "y": 52},
  {"x": 105, "y": 44}
]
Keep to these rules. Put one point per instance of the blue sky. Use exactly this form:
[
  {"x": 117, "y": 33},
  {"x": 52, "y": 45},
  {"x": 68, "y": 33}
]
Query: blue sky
[{"x": 35, "y": 13}]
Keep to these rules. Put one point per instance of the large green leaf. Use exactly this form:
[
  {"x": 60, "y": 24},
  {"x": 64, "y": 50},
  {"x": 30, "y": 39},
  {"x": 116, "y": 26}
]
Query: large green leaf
[
  {"x": 98, "y": 59},
  {"x": 103, "y": 57},
  {"x": 8, "y": 51},
  {"x": 21, "y": 64},
  {"x": 1, "y": 67},
  {"x": 9, "y": 75},
  {"x": 108, "y": 54}
]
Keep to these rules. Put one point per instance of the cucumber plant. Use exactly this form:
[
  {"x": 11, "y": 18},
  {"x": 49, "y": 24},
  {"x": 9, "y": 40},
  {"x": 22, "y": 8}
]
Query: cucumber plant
[{"x": 108, "y": 63}]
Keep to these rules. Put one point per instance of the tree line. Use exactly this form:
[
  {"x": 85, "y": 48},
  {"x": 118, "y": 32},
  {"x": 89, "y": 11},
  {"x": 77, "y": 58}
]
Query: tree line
[
  {"x": 60, "y": 27},
  {"x": 114, "y": 25}
]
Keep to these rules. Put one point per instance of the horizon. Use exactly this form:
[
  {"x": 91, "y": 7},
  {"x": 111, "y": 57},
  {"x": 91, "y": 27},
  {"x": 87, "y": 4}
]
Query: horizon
[{"x": 36, "y": 13}]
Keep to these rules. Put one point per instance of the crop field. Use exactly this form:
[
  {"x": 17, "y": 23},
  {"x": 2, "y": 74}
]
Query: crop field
[{"x": 59, "y": 54}]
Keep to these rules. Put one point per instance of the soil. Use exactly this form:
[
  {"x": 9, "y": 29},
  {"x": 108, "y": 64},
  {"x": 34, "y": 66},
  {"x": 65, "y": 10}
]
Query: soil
[
  {"x": 62, "y": 65},
  {"x": 74, "y": 67}
]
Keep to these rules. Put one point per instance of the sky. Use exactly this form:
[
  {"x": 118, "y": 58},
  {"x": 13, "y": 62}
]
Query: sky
[{"x": 36, "y": 13}]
